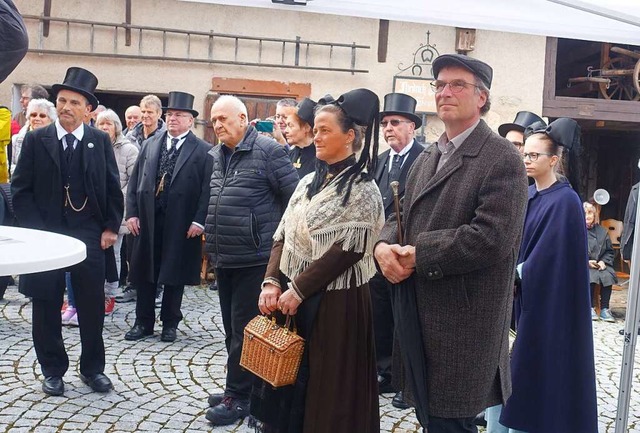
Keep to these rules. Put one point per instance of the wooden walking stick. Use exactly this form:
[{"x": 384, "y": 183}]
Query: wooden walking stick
[{"x": 396, "y": 203}]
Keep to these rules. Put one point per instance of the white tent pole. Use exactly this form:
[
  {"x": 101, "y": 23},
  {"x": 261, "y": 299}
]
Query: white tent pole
[
  {"x": 630, "y": 332},
  {"x": 599, "y": 10}
]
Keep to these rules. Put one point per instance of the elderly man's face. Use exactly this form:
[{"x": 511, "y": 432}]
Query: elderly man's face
[
  {"x": 401, "y": 134},
  {"x": 178, "y": 122},
  {"x": 229, "y": 124},
  {"x": 72, "y": 108},
  {"x": 25, "y": 97},
  {"x": 462, "y": 107},
  {"x": 150, "y": 115},
  {"x": 132, "y": 116},
  {"x": 281, "y": 118}
]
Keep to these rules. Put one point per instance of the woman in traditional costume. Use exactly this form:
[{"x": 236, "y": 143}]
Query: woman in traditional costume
[
  {"x": 552, "y": 365},
  {"x": 299, "y": 135},
  {"x": 320, "y": 264}
]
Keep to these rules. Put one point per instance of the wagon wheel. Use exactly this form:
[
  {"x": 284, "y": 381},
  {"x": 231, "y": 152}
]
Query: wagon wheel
[
  {"x": 636, "y": 77},
  {"x": 622, "y": 87}
]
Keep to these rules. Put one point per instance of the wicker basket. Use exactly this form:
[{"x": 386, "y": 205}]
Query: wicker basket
[{"x": 271, "y": 351}]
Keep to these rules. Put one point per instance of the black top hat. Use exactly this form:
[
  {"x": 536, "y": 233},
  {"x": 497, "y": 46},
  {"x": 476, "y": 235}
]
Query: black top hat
[
  {"x": 402, "y": 105},
  {"x": 81, "y": 81},
  {"x": 520, "y": 123},
  {"x": 306, "y": 108},
  {"x": 181, "y": 101},
  {"x": 564, "y": 132},
  {"x": 477, "y": 67}
]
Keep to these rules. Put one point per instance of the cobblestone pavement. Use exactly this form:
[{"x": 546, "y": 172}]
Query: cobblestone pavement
[{"x": 161, "y": 387}]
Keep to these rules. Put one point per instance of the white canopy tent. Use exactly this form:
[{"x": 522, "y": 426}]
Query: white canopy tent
[
  {"x": 536, "y": 17},
  {"x": 616, "y": 22}
]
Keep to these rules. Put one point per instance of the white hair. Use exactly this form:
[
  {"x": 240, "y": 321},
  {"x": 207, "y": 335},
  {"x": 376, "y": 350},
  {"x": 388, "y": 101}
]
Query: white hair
[
  {"x": 233, "y": 101},
  {"x": 113, "y": 117},
  {"x": 44, "y": 105}
]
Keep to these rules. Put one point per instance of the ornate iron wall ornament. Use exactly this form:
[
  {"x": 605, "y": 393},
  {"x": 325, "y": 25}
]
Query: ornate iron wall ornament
[{"x": 422, "y": 58}]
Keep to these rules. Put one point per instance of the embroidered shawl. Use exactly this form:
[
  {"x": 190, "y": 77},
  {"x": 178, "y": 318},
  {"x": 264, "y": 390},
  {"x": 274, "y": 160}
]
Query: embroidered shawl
[{"x": 309, "y": 227}]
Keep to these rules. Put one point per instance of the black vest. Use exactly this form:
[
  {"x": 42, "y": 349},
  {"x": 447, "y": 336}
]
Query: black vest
[
  {"x": 166, "y": 165},
  {"x": 73, "y": 177}
]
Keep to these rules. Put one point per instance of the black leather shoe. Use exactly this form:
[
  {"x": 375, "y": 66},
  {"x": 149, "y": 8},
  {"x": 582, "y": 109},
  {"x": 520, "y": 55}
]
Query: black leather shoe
[
  {"x": 137, "y": 332},
  {"x": 168, "y": 334},
  {"x": 53, "y": 385},
  {"x": 229, "y": 411},
  {"x": 215, "y": 399},
  {"x": 398, "y": 401},
  {"x": 384, "y": 385},
  {"x": 98, "y": 382}
]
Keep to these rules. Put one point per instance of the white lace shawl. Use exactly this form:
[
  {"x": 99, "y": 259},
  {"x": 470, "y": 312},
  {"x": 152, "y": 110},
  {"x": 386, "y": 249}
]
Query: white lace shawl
[{"x": 310, "y": 227}]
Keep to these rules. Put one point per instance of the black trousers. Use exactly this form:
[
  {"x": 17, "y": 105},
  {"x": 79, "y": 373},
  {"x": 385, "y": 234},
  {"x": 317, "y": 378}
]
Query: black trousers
[
  {"x": 451, "y": 425},
  {"x": 238, "y": 289},
  {"x": 87, "y": 279},
  {"x": 170, "y": 313},
  {"x": 605, "y": 295},
  {"x": 382, "y": 323}
]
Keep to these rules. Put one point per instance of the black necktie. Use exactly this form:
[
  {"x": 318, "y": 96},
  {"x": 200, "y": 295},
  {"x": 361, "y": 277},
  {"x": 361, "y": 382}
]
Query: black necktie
[
  {"x": 174, "y": 144},
  {"x": 68, "y": 152},
  {"x": 396, "y": 166}
]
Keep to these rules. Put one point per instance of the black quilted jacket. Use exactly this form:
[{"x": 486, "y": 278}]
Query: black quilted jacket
[{"x": 247, "y": 200}]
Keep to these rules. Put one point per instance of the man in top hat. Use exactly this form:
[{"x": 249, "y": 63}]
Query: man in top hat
[
  {"x": 398, "y": 123},
  {"x": 462, "y": 216},
  {"x": 166, "y": 208},
  {"x": 67, "y": 181},
  {"x": 514, "y": 131}
]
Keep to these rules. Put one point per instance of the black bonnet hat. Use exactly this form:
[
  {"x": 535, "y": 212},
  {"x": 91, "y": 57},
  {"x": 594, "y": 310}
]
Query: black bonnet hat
[
  {"x": 360, "y": 105},
  {"x": 81, "y": 81},
  {"x": 403, "y": 105},
  {"x": 181, "y": 101},
  {"x": 326, "y": 100},
  {"x": 477, "y": 67},
  {"x": 535, "y": 126},
  {"x": 306, "y": 109},
  {"x": 563, "y": 131},
  {"x": 520, "y": 123}
]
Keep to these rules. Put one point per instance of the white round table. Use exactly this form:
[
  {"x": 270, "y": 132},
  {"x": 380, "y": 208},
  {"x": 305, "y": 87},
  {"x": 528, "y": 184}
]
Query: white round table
[{"x": 25, "y": 251}]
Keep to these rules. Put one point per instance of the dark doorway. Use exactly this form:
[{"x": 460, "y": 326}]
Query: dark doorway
[
  {"x": 611, "y": 162},
  {"x": 120, "y": 101}
]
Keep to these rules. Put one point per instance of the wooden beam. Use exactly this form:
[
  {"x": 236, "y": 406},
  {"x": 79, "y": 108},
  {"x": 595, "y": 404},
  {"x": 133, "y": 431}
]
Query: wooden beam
[
  {"x": 46, "y": 13},
  {"x": 127, "y": 32},
  {"x": 383, "y": 40}
]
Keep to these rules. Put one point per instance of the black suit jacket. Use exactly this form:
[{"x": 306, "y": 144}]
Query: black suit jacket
[
  {"x": 38, "y": 193},
  {"x": 382, "y": 174},
  {"x": 187, "y": 202}
]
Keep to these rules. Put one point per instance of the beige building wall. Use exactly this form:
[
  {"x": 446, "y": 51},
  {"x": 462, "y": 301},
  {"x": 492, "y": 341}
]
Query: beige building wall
[{"x": 518, "y": 60}]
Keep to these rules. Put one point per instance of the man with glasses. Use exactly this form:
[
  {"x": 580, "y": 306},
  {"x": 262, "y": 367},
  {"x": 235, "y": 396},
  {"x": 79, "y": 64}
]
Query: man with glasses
[
  {"x": 166, "y": 209},
  {"x": 462, "y": 216},
  {"x": 398, "y": 123},
  {"x": 514, "y": 131}
]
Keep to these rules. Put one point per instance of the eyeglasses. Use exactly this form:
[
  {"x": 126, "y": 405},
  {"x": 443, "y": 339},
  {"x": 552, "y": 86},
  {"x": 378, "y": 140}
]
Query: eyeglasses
[
  {"x": 40, "y": 115},
  {"x": 456, "y": 86},
  {"x": 533, "y": 156},
  {"x": 178, "y": 115},
  {"x": 393, "y": 122}
]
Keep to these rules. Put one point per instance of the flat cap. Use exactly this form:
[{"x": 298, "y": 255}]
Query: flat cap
[{"x": 477, "y": 67}]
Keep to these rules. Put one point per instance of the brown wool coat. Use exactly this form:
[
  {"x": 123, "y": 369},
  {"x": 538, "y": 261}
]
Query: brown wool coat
[{"x": 465, "y": 222}]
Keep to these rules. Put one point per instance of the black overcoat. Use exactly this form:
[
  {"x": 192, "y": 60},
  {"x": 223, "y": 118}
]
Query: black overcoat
[
  {"x": 38, "y": 195},
  {"x": 186, "y": 203},
  {"x": 600, "y": 248}
]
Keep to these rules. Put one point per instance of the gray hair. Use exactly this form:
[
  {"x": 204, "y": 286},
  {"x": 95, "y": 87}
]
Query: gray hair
[
  {"x": 234, "y": 101},
  {"x": 113, "y": 117},
  {"x": 287, "y": 102},
  {"x": 481, "y": 87},
  {"x": 152, "y": 100},
  {"x": 44, "y": 105}
]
